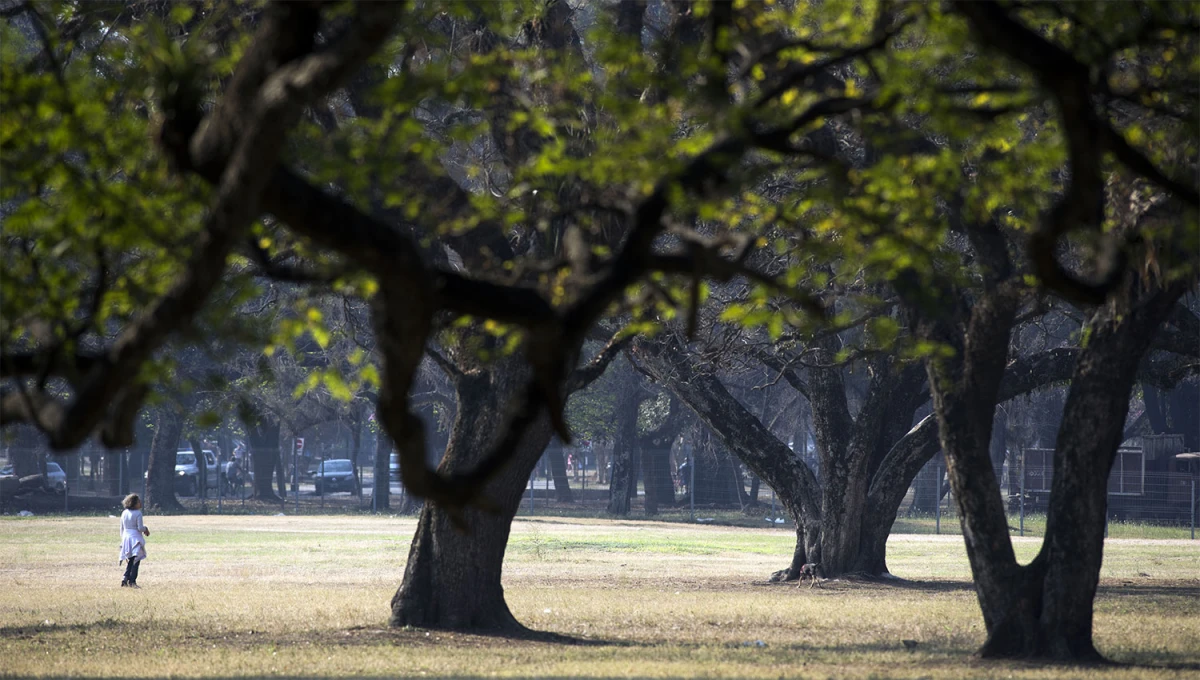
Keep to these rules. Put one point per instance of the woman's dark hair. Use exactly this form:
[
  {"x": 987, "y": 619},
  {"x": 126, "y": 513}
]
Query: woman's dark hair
[{"x": 131, "y": 501}]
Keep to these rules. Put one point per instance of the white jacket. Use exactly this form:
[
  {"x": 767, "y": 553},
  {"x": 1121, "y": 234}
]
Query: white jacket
[{"x": 133, "y": 543}]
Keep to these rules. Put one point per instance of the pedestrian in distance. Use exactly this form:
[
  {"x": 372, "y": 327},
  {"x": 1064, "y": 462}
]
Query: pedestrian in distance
[{"x": 133, "y": 539}]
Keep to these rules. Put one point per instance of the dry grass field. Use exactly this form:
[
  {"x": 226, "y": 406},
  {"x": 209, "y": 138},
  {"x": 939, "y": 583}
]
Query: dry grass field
[{"x": 252, "y": 596}]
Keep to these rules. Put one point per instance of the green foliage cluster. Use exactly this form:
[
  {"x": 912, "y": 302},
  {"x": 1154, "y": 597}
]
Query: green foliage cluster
[{"x": 553, "y": 145}]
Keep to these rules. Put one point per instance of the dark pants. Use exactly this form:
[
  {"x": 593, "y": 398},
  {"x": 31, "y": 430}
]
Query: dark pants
[{"x": 131, "y": 569}]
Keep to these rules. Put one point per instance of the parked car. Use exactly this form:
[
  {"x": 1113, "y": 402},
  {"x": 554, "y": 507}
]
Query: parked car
[
  {"x": 187, "y": 472},
  {"x": 334, "y": 475},
  {"x": 55, "y": 477},
  {"x": 394, "y": 467}
]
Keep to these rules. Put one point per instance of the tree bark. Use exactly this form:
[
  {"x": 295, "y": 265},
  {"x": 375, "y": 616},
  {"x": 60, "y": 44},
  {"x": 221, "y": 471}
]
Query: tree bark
[
  {"x": 452, "y": 579},
  {"x": 998, "y": 448},
  {"x": 382, "y": 493},
  {"x": 889, "y": 485},
  {"x": 835, "y": 532},
  {"x": 355, "y": 448},
  {"x": 745, "y": 435},
  {"x": 654, "y": 449},
  {"x": 283, "y": 458},
  {"x": 558, "y": 471},
  {"x": 1093, "y": 423},
  {"x": 622, "y": 480},
  {"x": 160, "y": 473},
  {"x": 263, "y": 440},
  {"x": 23, "y": 453},
  {"x": 753, "y": 495},
  {"x": 656, "y": 477},
  {"x": 1044, "y": 609},
  {"x": 717, "y": 478},
  {"x": 965, "y": 388}
]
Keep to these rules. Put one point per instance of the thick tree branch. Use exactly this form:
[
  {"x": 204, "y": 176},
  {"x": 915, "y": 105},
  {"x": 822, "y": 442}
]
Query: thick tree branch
[
  {"x": 268, "y": 98},
  {"x": 1088, "y": 136},
  {"x": 591, "y": 371}
]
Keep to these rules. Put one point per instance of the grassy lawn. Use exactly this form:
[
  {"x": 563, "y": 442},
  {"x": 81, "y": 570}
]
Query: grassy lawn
[{"x": 266, "y": 595}]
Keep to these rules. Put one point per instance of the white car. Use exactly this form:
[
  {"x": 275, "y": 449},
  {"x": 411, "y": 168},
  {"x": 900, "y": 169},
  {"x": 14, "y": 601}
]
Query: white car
[
  {"x": 187, "y": 472},
  {"x": 55, "y": 477}
]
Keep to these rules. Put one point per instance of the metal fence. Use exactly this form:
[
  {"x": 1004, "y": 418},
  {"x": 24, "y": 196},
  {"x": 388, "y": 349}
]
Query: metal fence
[
  {"x": 681, "y": 484},
  {"x": 723, "y": 491},
  {"x": 87, "y": 482}
]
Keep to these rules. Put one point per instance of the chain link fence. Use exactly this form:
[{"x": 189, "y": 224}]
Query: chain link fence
[
  {"x": 683, "y": 482},
  {"x": 94, "y": 482}
]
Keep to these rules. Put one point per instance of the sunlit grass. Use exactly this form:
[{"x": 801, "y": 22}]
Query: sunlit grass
[
  {"x": 1034, "y": 524},
  {"x": 250, "y": 596}
]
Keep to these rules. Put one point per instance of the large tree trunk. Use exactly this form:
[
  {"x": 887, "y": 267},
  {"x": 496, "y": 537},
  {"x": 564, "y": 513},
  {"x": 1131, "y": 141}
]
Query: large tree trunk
[
  {"x": 382, "y": 493},
  {"x": 355, "y": 449},
  {"x": 283, "y": 459},
  {"x": 889, "y": 485},
  {"x": 1093, "y": 424},
  {"x": 656, "y": 477},
  {"x": 160, "y": 473},
  {"x": 854, "y": 538},
  {"x": 263, "y": 440},
  {"x": 622, "y": 480},
  {"x": 603, "y": 453},
  {"x": 1044, "y": 609},
  {"x": 23, "y": 453},
  {"x": 717, "y": 478},
  {"x": 452, "y": 579},
  {"x": 558, "y": 471},
  {"x": 965, "y": 389},
  {"x": 649, "y": 497},
  {"x": 654, "y": 449},
  {"x": 1156, "y": 409}
]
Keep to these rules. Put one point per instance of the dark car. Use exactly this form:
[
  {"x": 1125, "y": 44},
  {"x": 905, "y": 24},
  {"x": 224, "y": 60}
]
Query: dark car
[{"x": 334, "y": 475}]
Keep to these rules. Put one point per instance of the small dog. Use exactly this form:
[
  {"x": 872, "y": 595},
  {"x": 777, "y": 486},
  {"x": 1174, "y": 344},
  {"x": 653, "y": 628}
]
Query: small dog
[{"x": 811, "y": 571}]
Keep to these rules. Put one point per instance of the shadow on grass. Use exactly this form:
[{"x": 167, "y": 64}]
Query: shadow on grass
[
  {"x": 472, "y": 637},
  {"x": 1132, "y": 588},
  {"x": 859, "y": 581},
  {"x": 32, "y": 630}
]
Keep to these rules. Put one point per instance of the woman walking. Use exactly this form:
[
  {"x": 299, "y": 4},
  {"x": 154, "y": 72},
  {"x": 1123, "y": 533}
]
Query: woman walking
[{"x": 133, "y": 543}]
